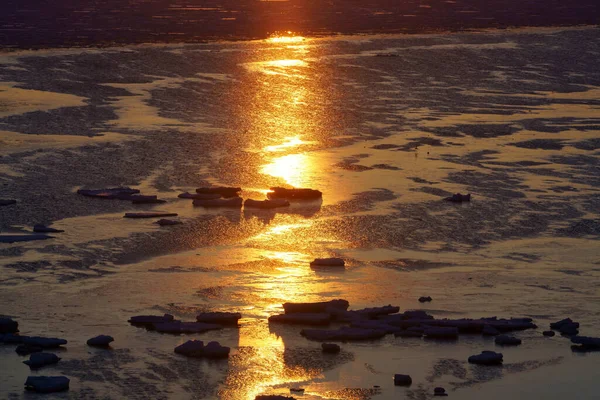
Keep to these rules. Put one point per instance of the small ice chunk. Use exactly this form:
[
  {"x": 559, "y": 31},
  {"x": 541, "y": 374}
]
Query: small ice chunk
[
  {"x": 219, "y": 318},
  {"x": 587, "y": 342},
  {"x": 149, "y": 320},
  {"x": 39, "y": 228},
  {"x": 402, "y": 380},
  {"x": 8, "y": 325},
  {"x": 318, "y": 307},
  {"x": 221, "y": 190},
  {"x": 47, "y": 384},
  {"x": 100, "y": 341},
  {"x": 328, "y": 262},
  {"x": 191, "y": 348},
  {"x": 558, "y": 324},
  {"x": 506, "y": 340},
  {"x": 330, "y": 348},
  {"x": 487, "y": 358},
  {"x": 459, "y": 198},
  {"x": 425, "y": 299},
  {"x": 22, "y": 238},
  {"x": 168, "y": 222},
  {"x": 26, "y": 349},
  {"x": 548, "y": 333},
  {"x": 215, "y": 350},
  {"x": 38, "y": 360},
  {"x": 295, "y": 193},
  {"x": 439, "y": 391},
  {"x": 44, "y": 342},
  {"x": 7, "y": 202}
]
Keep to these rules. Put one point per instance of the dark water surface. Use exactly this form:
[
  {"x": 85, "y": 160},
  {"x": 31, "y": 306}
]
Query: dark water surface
[{"x": 63, "y": 23}]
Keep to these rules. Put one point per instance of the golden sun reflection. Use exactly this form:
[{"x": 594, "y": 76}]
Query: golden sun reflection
[
  {"x": 294, "y": 141},
  {"x": 285, "y": 124},
  {"x": 292, "y": 168},
  {"x": 288, "y": 37}
]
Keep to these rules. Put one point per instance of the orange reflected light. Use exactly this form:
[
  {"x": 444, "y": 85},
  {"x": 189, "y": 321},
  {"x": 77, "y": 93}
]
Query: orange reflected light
[
  {"x": 288, "y": 37},
  {"x": 294, "y": 141},
  {"x": 292, "y": 169},
  {"x": 276, "y": 67},
  {"x": 285, "y": 63}
]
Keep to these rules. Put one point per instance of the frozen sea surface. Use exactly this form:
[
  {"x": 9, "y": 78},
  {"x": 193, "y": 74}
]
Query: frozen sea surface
[{"x": 385, "y": 126}]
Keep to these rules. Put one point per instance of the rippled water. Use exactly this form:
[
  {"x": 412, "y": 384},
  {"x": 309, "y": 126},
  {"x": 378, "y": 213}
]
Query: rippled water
[{"x": 385, "y": 126}]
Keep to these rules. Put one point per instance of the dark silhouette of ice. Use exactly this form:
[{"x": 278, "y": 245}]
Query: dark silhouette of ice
[
  {"x": 44, "y": 229},
  {"x": 100, "y": 341},
  {"x": 487, "y": 358},
  {"x": 330, "y": 348},
  {"x": 221, "y": 190},
  {"x": 458, "y": 198},
  {"x": 318, "y": 307},
  {"x": 44, "y": 342},
  {"x": 295, "y": 194},
  {"x": 10, "y": 338},
  {"x": 587, "y": 342},
  {"x": 196, "y": 348},
  {"x": 7, "y": 202},
  {"x": 149, "y": 320},
  {"x": 25, "y": 349},
  {"x": 191, "y": 348},
  {"x": 47, "y": 384},
  {"x": 505, "y": 340},
  {"x": 566, "y": 326},
  {"x": 22, "y": 238},
  {"x": 215, "y": 350},
  {"x": 328, "y": 262},
  {"x": 402, "y": 380},
  {"x": 8, "y": 325},
  {"x": 168, "y": 222},
  {"x": 146, "y": 200},
  {"x": 38, "y": 360},
  {"x": 425, "y": 299},
  {"x": 364, "y": 313}
]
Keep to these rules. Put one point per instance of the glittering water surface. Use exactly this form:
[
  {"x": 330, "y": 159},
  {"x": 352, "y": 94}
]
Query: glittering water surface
[{"x": 385, "y": 126}]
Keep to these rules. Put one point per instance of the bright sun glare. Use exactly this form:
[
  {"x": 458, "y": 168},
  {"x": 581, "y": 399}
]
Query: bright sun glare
[{"x": 285, "y": 37}]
